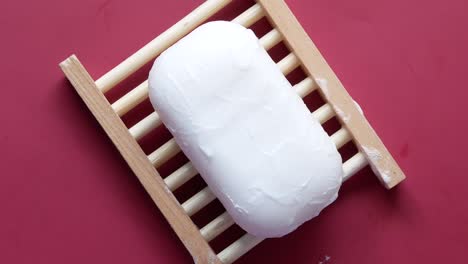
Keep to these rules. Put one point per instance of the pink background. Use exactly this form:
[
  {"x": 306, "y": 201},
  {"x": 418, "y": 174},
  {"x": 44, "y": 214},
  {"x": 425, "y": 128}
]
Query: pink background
[{"x": 66, "y": 195}]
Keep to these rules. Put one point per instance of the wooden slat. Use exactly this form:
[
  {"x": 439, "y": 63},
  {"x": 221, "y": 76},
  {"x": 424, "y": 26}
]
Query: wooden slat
[
  {"x": 131, "y": 99},
  {"x": 341, "y": 137},
  {"x": 198, "y": 201},
  {"x": 217, "y": 226},
  {"x": 305, "y": 87},
  {"x": 270, "y": 39},
  {"x": 288, "y": 63},
  {"x": 250, "y": 16},
  {"x": 164, "y": 153},
  {"x": 138, "y": 162},
  {"x": 353, "y": 165},
  {"x": 238, "y": 248},
  {"x": 381, "y": 161},
  {"x": 145, "y": 126},
  {"x": 180, "y": 176}
]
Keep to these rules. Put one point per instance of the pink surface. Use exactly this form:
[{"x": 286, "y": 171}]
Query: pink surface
[{"x": 66, "y": 195}]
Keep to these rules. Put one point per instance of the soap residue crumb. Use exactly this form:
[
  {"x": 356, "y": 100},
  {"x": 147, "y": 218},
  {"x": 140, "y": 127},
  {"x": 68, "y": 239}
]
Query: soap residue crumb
[
  {"x": 236, "y": 206},
  {"x": 325, "y": 259},
  {"x": 386, "y": 177},
  {"x": 323, "y": 83},
  {"x": 375, "y": 156},
  {"x": 372, "y": 153},
  {"x": 345, "y": 117},
  {"x": 358, "y": 107}
]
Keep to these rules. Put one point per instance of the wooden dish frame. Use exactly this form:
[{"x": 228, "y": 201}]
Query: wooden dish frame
[{"x": 304, "y": 54}]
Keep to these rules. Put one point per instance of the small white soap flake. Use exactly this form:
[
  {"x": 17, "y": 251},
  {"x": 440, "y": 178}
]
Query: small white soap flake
[
  {"x": 372, "y": 153},
  {"x": 386, "y": 177},
  {"x": 325, "y": 259},
  {"x": 375, "y": 157},
  {"x": 345, "y": 117}
]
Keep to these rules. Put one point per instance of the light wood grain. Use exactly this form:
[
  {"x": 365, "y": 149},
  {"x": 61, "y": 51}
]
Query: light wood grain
[
  {"x": 159, "y": 44},
  {"x": 383, "y": 164},
  {"x": 180, "y": 176},
  {"x": 138, "y": 161}
]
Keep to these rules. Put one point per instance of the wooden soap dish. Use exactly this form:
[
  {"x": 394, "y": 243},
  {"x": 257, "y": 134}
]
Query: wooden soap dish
[{"x": 303, "y": 53}]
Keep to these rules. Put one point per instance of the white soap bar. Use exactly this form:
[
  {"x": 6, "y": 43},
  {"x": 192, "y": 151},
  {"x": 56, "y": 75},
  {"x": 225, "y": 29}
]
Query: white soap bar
[{"x": 239, "y": 121}]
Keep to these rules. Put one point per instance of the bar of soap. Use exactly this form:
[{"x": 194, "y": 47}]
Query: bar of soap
[{"x": 246, "y": 131}]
